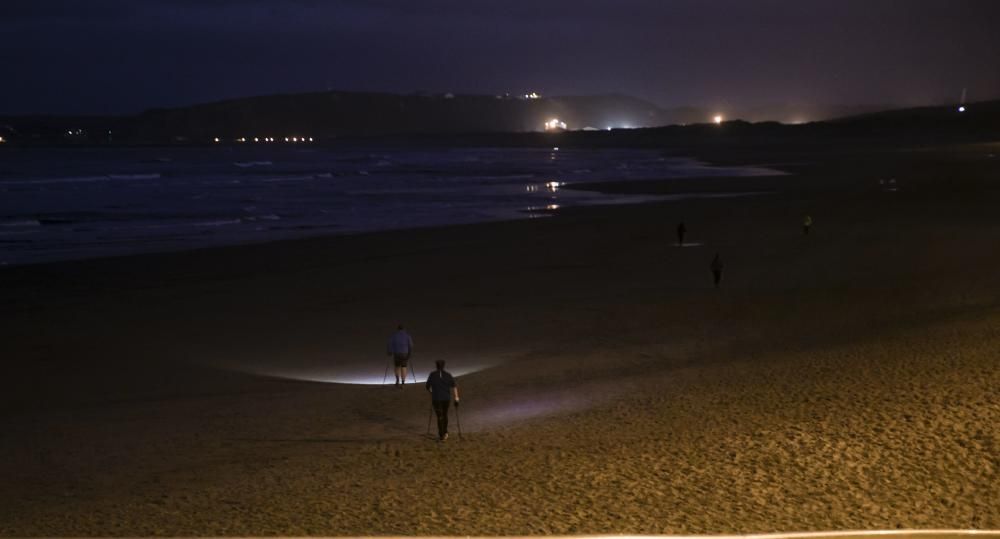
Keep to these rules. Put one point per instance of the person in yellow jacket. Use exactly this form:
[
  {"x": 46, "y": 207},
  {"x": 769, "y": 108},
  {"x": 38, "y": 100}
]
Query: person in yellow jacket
[{"x": 807, "y": 222}]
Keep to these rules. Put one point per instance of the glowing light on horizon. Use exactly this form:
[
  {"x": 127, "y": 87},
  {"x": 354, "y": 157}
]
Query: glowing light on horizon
[
  {"x": 961, "y": 108},
  {"x": 2, "y": 140},
  {"x": 555, "y": 124},
  {"x": 717, "y": 119},
  {"x": 216, "y": 139}
]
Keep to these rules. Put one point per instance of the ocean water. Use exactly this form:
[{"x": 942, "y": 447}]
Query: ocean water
[{"x": 60, "y": 204}]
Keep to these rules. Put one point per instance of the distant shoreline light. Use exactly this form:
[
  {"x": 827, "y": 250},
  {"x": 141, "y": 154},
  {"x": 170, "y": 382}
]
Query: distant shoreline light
[
  {"x": 264, "y": 139},
  {"x": 555, "y": 124}
]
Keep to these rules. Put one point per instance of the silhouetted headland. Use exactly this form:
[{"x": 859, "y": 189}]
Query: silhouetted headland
[{"x": 614, "y": 120}]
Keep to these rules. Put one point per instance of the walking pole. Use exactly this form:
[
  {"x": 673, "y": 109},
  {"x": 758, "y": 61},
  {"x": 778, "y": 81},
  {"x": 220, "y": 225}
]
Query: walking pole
[
  {"x": 413, "y": 372},
  {"x": 458, "y": 419}
]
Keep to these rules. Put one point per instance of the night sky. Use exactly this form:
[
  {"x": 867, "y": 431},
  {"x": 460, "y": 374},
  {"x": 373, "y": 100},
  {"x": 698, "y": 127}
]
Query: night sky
[{"x": 121, "y": 56}]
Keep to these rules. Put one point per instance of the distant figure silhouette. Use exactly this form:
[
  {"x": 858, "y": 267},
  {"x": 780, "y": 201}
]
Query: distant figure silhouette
[
  {"x": 442, "y": 387},
  {"x": 717, "y": 267},
  {"x": 681, "y": 230},
  {"x": 400, "y": 347},
  {"x": 807, "y": 222}
]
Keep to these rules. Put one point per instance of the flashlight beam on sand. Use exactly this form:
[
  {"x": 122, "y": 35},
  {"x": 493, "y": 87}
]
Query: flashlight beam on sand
[{"x": 366, "y": 373}]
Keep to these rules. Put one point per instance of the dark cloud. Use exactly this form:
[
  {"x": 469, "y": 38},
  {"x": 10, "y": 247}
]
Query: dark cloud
[{"x": 125, "y": 55}]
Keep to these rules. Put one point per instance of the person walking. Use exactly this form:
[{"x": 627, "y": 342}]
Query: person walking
[
  {"x": 717, "y": 267},
  {"x": 807, "y": 222},
  {"x": 442, "y": 387},
  {"x": 400, "y": 347},
  {"x": 681, "y": 230}
]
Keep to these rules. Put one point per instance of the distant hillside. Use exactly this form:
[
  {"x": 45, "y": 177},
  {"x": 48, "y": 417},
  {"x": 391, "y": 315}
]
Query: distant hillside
[
  {"x": 982, "y": 111},
  {"x": 337, "y": 114},
  {"x": 326, "y": 116},
  {"x": 906, "y": 128}
]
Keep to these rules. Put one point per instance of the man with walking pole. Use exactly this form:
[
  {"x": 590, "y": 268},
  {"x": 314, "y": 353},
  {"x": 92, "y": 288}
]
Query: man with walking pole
[
  {"x": 442, "y": 387},
  {"x": 400, "y": 347}
]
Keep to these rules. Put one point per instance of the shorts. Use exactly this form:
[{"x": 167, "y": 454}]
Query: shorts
[{"x": 401, "y": 359}]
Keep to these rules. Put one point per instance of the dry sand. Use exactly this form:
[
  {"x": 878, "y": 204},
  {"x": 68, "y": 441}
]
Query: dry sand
[{"x": 845, "y": 380}]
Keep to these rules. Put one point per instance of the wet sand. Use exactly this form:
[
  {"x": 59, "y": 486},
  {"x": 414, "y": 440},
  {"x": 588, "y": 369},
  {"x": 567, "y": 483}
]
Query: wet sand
[{"x": 841, "y": 380}]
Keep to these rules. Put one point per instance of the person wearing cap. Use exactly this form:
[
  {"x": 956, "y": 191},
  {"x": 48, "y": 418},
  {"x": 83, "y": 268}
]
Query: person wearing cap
[
  {"x": 443, "y": 389},
  {"x": 400, "y": 347}
]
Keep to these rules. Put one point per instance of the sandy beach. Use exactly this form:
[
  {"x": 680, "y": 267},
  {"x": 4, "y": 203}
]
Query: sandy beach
[{"x": 842, "y": 380}]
